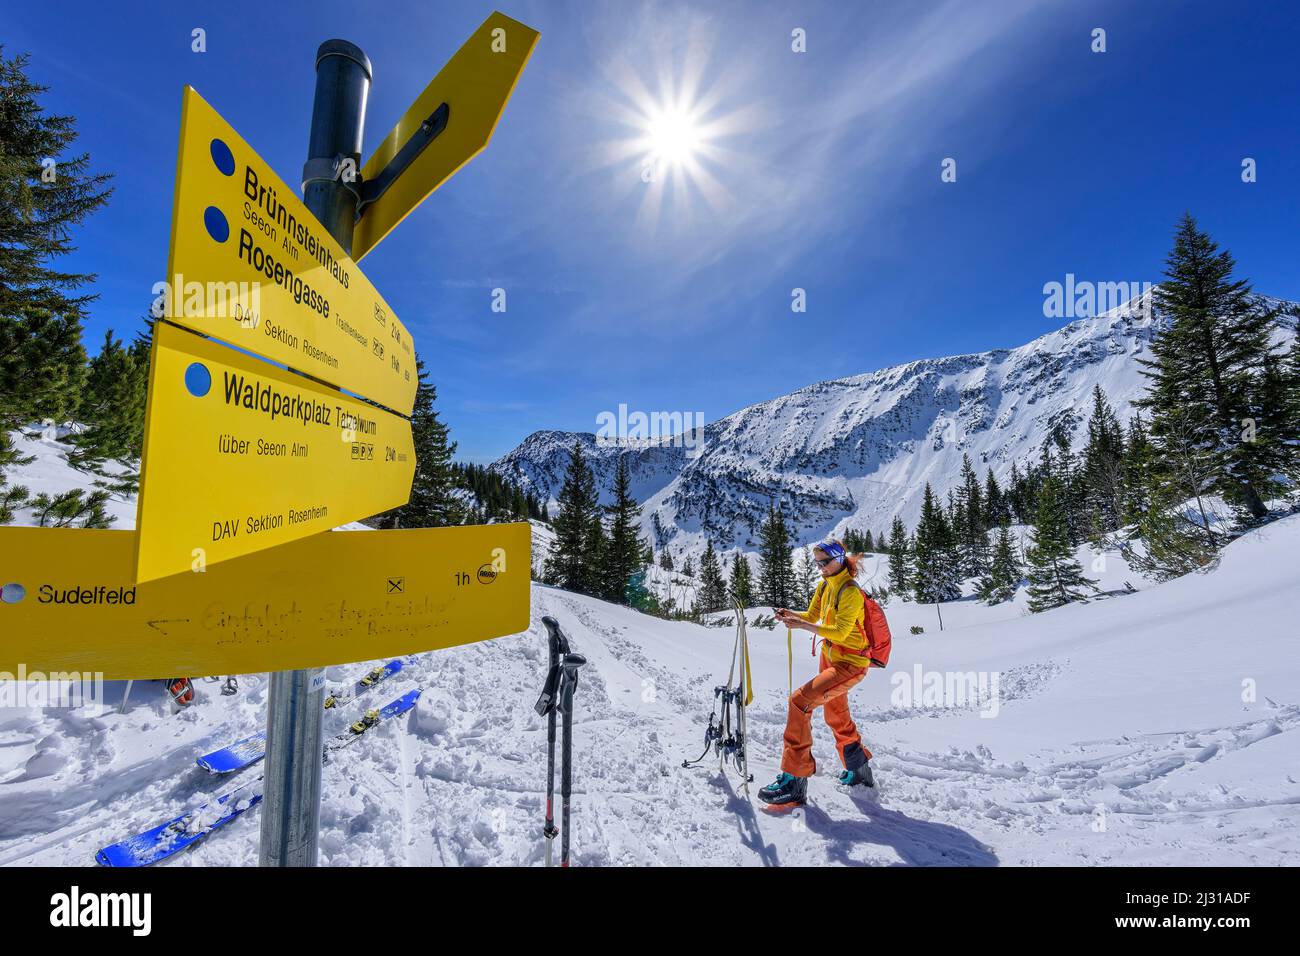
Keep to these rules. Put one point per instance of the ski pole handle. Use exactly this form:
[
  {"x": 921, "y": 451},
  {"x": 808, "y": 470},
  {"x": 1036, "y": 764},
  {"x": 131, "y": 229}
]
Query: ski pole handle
[
  {"x": 569, "y": 684},
  {"x": 558, "y": 642},
  {"x": 559, "y": 648}
]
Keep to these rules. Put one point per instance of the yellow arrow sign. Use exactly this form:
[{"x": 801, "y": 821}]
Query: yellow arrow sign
[
  {"x": 68, "y": 602},
  {"x": 456, "y": 114},
  {"x": 240, "y": 456},
  {"x": 250, "y": 264}
]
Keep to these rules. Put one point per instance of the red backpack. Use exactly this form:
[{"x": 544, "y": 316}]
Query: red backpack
[{"x": 876, "y": 628}]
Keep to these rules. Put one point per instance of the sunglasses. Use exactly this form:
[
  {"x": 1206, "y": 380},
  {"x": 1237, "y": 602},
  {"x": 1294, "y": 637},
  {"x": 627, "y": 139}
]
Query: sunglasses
[{"x": 822, "y": 562}]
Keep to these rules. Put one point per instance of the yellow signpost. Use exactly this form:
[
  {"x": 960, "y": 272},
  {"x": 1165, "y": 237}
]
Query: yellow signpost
[
  {"x": 69, "y": 603},
  {"x": 448, "y": 125},
  {"x": 253, "y": 445},
  {"x": 240, "y": 456},
  {"x": 252, "y": 266}
]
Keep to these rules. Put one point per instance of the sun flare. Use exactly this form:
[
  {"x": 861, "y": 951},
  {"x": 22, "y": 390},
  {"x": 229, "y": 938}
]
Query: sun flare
[
  {"x": 675, "y": 147},
  {"x": 672, "y": 136}
]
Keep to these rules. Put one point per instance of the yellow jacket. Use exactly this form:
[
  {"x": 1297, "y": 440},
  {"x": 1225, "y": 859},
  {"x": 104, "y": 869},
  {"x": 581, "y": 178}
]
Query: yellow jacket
[{"x": 842, "y": 629}]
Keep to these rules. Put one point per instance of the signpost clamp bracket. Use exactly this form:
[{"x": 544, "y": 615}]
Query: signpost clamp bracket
[
  {"x": 322, "y": 170},
  {"x": 427, "y": 132}
]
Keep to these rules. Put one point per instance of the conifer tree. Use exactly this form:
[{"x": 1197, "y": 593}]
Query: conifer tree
[
  {"x": 1207, "y": 372},
  {"x": 1101, "y": 472},
  {"x": 1136, "y": 471},
  {"x": 44, "y": 192},
  {"x": 936, "y": 576},
  {"x": 1060, "y": 461},
  {"x": 742, "y": 581},
  {"x": 775, "y": 570},
  {"x": 568, "y": 565},
  {"x": 11, "y": 496},
  {"x": 900, "y": 559},
  {"x": 112, "y": 411},
  {"x": 1291, "y": 405},
  {"x": 806, "y": 578},
  {"x": 996, "y": 512},
  {"x": 713, "y": 587},
  {"x": 623, "y": 558},
  {"x": 1017, "y": 499},
  {"x": 1055, "y": 577},
  {"x": 1178, "y": 528},
  {"x": 599, "y": 581},
  {"x": 433, "y": 502},
  {"x": 1005, "y": 573},
  {"x": 72, "y": 509},
  {"x": 969, "y": 523}
]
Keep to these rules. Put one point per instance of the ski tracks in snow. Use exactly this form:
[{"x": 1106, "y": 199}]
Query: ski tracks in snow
[{"x": 461, "y": 779}]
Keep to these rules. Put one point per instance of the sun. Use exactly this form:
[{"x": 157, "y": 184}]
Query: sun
[
  {"x": 673, "y": 145},
  {"x": 672, "y": 136}
]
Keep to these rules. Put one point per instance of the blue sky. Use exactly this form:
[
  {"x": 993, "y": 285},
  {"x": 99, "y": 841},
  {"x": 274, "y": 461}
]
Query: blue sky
[{"x": 818, "y": 170}]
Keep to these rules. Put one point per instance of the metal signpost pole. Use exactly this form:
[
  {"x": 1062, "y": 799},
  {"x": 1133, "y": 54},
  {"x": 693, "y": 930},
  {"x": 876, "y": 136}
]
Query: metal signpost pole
[{"x": 291, "y": 798}]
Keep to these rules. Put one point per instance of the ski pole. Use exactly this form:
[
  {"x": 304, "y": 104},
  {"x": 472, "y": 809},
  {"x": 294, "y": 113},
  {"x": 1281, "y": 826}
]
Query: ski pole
[
  {"x": 789, "y": 657},
  {"x": 546, "y": 707},
  {"x": 570, "y": 683}
]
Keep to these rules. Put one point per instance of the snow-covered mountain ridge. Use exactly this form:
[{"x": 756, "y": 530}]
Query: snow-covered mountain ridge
[{"x": 855, "y": 452}]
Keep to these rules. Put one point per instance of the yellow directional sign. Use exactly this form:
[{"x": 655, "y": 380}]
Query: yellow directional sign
[
  {"x": 240, "y": 456},
  {"x": 250, "y": 264},
  {"x": 68, "y": 602},
  {"x": 448, "y": 125}
]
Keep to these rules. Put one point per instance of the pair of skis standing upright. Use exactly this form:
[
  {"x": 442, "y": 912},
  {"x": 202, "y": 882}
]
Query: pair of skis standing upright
[
  {"x": 725, "y": 733},
  {"x": 557, "y": 697}
]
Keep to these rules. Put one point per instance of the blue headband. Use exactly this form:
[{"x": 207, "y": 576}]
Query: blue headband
[{"x": 831, "y": 549}]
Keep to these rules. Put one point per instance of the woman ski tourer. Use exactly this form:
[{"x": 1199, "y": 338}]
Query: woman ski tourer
[{"x": 851, "y": 630}]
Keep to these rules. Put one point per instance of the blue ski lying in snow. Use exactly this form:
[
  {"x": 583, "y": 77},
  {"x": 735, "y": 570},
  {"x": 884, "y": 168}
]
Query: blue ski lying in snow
[
  {"x": 175, "y": 835},
  {"x": 246, "y": 752}
]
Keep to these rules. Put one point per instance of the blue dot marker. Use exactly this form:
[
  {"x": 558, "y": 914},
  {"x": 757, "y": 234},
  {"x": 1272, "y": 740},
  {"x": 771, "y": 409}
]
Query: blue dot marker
[
  {"x": 222, "y": 157},
  {"x": 12, "y": 593},
  {"x": 215, "y": 221},
  {"x": 198, "y": 379}
]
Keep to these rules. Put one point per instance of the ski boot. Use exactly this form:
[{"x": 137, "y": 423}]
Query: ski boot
[
  {"x": 370, "y": 679},
  {"x": 180, "y": 690},
  {"x": 365, "y": 723},
  {"x": 861, "y": 777},
  {"x": 785, "y": 789}
]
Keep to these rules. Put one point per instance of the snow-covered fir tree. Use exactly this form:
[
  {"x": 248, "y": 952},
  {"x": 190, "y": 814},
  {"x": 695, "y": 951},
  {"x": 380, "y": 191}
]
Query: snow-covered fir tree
[
  {"x": 936, "y": 575},
  {"x": 1005, "y": 573},
  {"x": 1055, "y": 576},
  {"x": 776, "y": 581},
  {"x": 569, "y": 565},
  {"x": 433, "y": 502},
  {"x": 625, "y": 548},
  {"x": 713, "y": 587},
  {"x": 900, "y": 559},
  {"x": 1207, "y": 373},
  {"x": 742, "y": 580}
]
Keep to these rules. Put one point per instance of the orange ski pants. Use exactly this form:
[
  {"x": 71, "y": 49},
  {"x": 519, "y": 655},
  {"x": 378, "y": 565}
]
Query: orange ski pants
[{"x": 829, "y": 689}]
